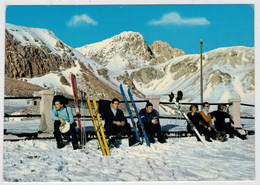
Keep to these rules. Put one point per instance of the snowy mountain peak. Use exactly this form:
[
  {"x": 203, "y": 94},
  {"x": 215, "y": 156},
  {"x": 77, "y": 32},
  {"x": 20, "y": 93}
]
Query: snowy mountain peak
[
  {"x": 22, "y": 30},
  {"x": 38, "y": 37},
  {"x": 128, "y": 51},
  {"x": 129, "y": 36}
]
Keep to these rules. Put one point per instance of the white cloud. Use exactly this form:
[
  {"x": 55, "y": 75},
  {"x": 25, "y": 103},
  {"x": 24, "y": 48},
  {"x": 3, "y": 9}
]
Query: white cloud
[
  {"x": 81, "y": 19},
  {"x": 175, "y": 18}
]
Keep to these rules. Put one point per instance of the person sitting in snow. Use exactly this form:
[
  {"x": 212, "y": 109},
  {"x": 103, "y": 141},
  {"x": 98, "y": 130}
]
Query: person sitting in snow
[
  {"x": 207, "y": 117},
  {"x": 198, "y": 121},
  {"x": 151, "y": 123},
  {"x": 223, "y": 122},
  {"x": 60, "y": 115},
  {"x": 115, "y": 122}
]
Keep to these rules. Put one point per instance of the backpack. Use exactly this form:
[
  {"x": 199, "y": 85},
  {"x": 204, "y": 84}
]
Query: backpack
[{"x": 103, "y": 106}]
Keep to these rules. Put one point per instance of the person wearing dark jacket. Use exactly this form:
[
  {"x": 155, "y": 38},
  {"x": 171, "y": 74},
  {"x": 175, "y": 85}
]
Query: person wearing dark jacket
[
  {"x": 199, "y": 122},
  {"x": 115, "y": 123},
  {"x": 60, "y": 115},
  {"x": 150, "y": 120},
  {"x": 223, "y": 120}
]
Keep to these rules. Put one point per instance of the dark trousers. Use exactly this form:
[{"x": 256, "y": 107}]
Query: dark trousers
[
  {"x": 202, "y": 130},
  {"x": 152, "y": 129},
  {"x": 112, "y": 130},
  {"x": 71, "y": 132},
  {"x": 226, "y": 127}
]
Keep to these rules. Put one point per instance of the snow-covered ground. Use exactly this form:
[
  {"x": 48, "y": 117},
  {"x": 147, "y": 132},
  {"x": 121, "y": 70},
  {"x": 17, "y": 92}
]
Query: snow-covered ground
[{"x": 180, "y": 159}]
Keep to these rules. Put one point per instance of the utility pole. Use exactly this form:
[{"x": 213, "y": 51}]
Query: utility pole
[{"x": 201, "y": 74}]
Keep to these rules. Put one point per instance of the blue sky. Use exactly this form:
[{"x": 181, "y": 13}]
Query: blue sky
[{"x": 182, "y": 26}]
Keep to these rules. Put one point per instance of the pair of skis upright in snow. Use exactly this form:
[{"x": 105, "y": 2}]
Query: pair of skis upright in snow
[
  {"x": 131, "y": 116},
  {"x": 98, "y": 128}
]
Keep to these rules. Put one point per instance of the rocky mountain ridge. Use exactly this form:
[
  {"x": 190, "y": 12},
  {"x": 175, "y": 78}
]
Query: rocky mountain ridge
[
  {"x": 129, "y": 50},
  {"x": 32, "y": 61},
  {"x": 126, "y": 58},
  {"x": 35, "y": 54}
]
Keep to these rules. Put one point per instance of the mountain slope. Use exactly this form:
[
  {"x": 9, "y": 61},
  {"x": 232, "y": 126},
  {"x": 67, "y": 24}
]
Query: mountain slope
[
  {"x": 227, "y": 73},
  {"x": 126, "y": 58},
  {"x": 43, "y": 59},
  {"x": 160, "y": 69}
]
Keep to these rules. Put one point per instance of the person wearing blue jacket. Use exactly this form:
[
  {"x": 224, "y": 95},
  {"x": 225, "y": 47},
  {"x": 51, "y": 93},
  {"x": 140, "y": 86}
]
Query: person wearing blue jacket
[
  {"x": 60, "y": 115},
  {"x": 150, "y": 120}
]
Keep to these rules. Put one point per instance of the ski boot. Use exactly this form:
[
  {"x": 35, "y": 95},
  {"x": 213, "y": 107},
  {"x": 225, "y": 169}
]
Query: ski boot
[
  {"x": 161, "y": 140},
  {"x": 60, "y": 144},
  {"x": 75, "y": 145},
  {"x": 132, "y": 141}
]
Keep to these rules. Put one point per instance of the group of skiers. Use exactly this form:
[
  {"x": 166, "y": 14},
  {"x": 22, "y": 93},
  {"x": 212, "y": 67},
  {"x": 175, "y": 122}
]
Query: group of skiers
[
  {"x": 116, "y": 123},
  {"x": 203, "y": 122}
]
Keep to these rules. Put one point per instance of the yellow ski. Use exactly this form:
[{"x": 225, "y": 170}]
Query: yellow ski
[
  {"x": 95, "y": 127},
  {"x": 100, "y": 127}
]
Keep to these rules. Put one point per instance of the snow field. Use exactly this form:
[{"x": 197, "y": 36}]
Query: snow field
[{"x": 180, "y": 159}]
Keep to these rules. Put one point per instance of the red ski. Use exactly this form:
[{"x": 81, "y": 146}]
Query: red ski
[{"x": 75, "y": 95}]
